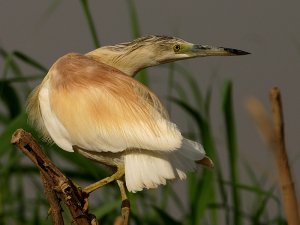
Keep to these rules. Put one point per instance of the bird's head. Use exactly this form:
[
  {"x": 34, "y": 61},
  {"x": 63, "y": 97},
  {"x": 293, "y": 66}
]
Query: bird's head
[{"x": 131, "y": 57}]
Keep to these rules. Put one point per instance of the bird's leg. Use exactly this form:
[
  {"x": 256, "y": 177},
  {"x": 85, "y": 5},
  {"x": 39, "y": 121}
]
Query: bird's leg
[
  {"x": 117, "y": 175},
  {"x": 125, "y": 208}
]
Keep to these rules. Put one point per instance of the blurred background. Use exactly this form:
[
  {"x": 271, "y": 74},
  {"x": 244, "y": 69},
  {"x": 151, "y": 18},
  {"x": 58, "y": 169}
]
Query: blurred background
[{"x": 200, "y": 94}]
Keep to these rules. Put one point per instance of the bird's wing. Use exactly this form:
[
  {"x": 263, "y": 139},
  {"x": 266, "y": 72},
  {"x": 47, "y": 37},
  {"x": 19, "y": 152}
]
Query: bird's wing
[{"x": 104, "y": 110}]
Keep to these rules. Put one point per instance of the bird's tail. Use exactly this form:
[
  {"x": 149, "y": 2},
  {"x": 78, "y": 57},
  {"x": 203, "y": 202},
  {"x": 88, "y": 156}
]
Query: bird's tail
[{"x": 148, "y": 169}]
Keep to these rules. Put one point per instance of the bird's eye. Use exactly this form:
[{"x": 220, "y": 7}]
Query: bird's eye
[{"x": 176, "y": 48}]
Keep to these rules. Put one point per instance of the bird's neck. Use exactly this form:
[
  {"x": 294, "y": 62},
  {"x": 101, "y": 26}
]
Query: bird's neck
[{"x": 127, "y": 62}]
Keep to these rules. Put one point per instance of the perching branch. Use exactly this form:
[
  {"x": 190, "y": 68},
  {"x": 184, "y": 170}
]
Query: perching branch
[
  {"x": 55, "y": 210},
  {"x": 273, "y": 133},
  {"x": 57, "y": 186}
]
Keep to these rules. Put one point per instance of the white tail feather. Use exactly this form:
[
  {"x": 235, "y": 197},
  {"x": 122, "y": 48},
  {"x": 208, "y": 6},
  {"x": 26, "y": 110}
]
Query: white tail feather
[
  {"x": 148, "y": 169},
  {"x": 192, "y": 150}
]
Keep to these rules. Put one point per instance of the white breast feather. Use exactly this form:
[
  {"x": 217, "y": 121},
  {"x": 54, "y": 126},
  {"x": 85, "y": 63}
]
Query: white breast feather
[{"x": 56, "y": 130}]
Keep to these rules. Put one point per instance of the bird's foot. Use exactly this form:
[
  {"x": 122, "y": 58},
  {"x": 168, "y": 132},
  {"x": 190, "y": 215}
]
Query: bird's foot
[{"x": 117, "y": 175}]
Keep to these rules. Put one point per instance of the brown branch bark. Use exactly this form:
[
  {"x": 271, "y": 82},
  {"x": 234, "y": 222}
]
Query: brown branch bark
[
  {"x": 57, "y": 185},
  {"x": 54, "y": 202},
  {"x": 273, "y": 133}
]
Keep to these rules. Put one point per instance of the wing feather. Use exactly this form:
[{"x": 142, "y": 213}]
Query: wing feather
[{"x": 104, "y": 110}]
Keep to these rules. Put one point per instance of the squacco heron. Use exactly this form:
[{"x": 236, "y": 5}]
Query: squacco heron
[{"x": 92, "y": 104}]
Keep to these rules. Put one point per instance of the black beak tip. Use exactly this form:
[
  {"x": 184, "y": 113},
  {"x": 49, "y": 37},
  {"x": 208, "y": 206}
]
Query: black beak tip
[{"x": 236, "y": 51}]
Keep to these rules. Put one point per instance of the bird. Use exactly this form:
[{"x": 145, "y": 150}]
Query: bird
[{"x": 92, "y": 104}]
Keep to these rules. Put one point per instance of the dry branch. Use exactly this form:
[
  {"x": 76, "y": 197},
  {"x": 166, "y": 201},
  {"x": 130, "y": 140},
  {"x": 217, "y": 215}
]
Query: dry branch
[
  {"x": 57, "y": 185},
  {"x": 282, "y": 162},
  {"x": 55, "y": 210},
  {"x": 273, "y": 133}
]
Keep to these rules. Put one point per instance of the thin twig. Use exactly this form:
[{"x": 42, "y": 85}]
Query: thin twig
[
  {"x": 273, "y": 133},
  {"x": 71, "y": 195}
]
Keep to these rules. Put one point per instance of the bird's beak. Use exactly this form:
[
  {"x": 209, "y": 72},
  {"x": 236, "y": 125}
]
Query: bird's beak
[{"x": 206, "y": 50}]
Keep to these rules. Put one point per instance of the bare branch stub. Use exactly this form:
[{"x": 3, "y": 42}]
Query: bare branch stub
[
  {"x": 282, "y": 162},
  {"x": 55, "y": 180},
  {"x": 273, "y": 133}
]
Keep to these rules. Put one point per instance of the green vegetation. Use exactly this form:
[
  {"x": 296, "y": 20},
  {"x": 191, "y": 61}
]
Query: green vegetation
[{"x": 210, "y": 199}]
